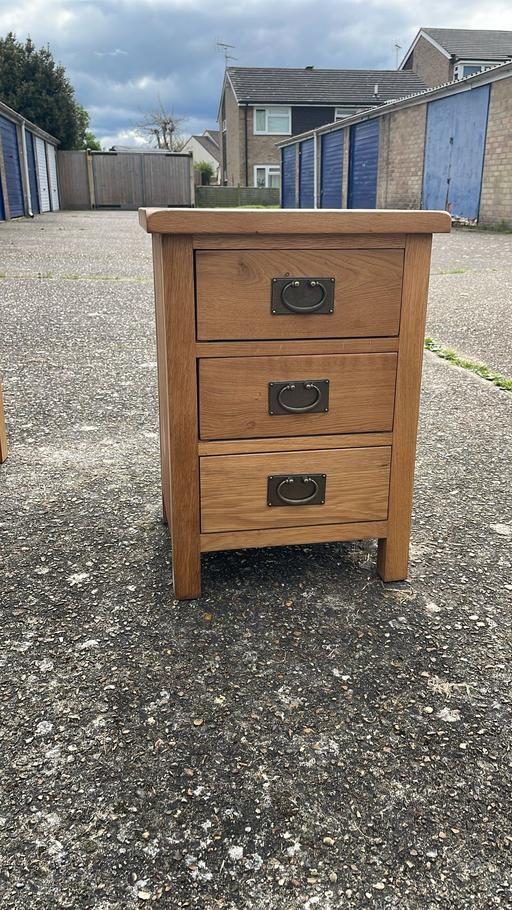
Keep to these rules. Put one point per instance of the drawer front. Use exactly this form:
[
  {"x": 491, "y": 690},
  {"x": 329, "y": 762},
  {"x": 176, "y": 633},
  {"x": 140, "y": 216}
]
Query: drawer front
[
  {"x": 235, "y": 489},
  {"x": 353, "y": 293},
  {"x": 236, "y": 395}
]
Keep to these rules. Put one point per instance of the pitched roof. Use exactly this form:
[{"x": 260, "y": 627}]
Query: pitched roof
[
  {"x": 214, "y": 135},
  {"x": 489, "y": 75},
  {"x": 259, "y": 85},
  {"x": 484, "y": 44},
  {"x": 211, "y": 147}
]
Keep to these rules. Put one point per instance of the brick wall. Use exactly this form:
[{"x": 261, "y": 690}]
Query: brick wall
[
  {"x": 232, "y": 115},
  {"x": 261, "y": 149},
  {"x": 400, "y": 175},
  {"x": 430, "y": 64},
  {"x": 496, "y": 198}
]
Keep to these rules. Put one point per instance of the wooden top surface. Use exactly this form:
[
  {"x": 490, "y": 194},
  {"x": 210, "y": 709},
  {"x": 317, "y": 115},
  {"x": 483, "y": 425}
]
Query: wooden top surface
[{"x": 293, "y": 221}]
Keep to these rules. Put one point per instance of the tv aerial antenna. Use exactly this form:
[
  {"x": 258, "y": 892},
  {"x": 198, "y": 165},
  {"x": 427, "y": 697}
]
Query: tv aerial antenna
[
  {"x": 398, "y": 48},
  {"x": 224, "y": 49}
]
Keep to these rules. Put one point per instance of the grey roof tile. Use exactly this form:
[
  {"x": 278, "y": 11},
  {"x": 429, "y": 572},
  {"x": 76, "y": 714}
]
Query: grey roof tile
[
  {"x": 485, "y": 44},
  {"x": 259, "y": 85}
]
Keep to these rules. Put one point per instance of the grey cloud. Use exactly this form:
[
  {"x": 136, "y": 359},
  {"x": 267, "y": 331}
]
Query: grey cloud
[{"x": 122, "y": 54}]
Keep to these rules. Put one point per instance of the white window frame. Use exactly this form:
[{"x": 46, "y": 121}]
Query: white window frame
[
  {"x": 268, "y": 167},
  {"x": 272, "y": 109},
  {"x": 458, "y": 69},
  {"x": 341, "y": 112},
  {"x": 355, "y": 110}
]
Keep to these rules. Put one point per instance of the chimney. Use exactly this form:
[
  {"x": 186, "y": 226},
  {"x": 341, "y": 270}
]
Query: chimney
[{"x": 376, "y": 90}]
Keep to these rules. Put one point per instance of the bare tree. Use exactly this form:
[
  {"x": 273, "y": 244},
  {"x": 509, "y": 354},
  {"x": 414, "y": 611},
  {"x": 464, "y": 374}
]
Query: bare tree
[{"x": 162, "y": 128}]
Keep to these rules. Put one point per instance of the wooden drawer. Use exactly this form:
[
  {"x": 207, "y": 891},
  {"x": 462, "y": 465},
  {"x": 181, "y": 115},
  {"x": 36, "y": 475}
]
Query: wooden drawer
[
  {"x": 233, "y": 293},
  {"x": 234, "y": 395},
  {"x": 234, "y": 488}
]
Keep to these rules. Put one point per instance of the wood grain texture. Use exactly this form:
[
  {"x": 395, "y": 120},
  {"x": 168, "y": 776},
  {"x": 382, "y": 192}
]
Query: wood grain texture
[
  {"x": 283, "y": 221},
  {"x": 305, "y": 346},
  {"x": 297, "y": 241},
  {"x": 234, "y": 488},
  {"x": 233, "y": 291},
  {"x": 176, "y": 288},
  {"x": 4, "y": 450},
  {"x": 163, "y": 382},
  {"x": 233, "y": 395},
  {"x": 393, "y": 553},
  {"x": 279, "y": 537},
  {"x": 293, "y": 443}
]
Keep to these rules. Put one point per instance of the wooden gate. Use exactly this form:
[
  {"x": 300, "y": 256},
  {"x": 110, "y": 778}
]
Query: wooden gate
[{"x": 125, "y": 180}]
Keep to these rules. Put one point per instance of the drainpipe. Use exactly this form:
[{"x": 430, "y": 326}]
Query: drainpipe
[
  {"x": 246, "y": 143},
  {"x": 25, "y": 168},
  {"x": 315, "y": 170}
]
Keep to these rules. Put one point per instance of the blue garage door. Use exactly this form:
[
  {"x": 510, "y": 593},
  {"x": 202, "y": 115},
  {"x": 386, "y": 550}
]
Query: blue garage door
[
  {"x": 31, "y": 161},
  {"x": 288, "y": 177},
  {"x": 331, "y": 170},
  {"x": 307, "y": 174},
  {"x": 454, "y": 153},
  {"x": 363, "y": 164},
  {"x": 12, "y": 167}
]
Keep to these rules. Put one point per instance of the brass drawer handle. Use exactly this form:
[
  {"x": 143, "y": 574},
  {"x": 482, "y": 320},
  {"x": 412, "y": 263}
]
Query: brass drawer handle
[
  {"x": 280, "y": 484},
  {"x": 302, "y": 296}
]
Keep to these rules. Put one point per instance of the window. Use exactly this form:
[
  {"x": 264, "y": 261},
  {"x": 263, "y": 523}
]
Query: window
[
  {"x": 342, "y": 112},
  {"x": 461, "y": 70},
  {"x": 267, "y": 175},
  {"x": 273, "y": 121}
]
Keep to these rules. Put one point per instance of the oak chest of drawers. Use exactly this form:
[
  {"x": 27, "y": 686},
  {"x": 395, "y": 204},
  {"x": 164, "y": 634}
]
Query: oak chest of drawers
[{"x": 289, "y": 365}]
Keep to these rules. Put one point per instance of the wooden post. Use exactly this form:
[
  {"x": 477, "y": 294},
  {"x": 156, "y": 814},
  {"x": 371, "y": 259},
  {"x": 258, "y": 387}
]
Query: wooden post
[
  {"x": 393, "y": 555},
  {"x": 174, "y": 293},
  {"x": 3, "y": 431},
  {"x": 90, "y": 179}
]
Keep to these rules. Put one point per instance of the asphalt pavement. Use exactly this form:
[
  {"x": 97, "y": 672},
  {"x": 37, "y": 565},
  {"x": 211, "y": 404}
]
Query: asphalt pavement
[{"x": 303, "y": 736}]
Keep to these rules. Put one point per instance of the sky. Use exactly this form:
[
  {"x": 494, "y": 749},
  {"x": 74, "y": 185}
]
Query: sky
[{"x": 122, "y": 55}]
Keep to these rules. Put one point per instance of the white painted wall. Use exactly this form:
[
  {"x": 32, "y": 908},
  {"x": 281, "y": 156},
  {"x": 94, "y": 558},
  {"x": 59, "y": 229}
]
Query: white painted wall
[{"x": 199, "y": 153}]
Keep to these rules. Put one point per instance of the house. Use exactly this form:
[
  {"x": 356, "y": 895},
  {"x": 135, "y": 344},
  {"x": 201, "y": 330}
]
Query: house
[
  {"x": 206, "y": 148},
  {"x": 447, "y": 147},
  {"x": 260, "y": 105},
  {"x": 440, "y": 55}
]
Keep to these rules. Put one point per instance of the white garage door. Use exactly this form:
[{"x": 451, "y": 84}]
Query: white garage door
[
  {"x": 42, "y": 174},
  {"x": 52, "y": 175}
]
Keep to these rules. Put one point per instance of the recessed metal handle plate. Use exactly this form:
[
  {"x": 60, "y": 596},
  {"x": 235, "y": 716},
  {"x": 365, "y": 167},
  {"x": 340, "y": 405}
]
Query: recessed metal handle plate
[
  {"x": 296, "y": 489},
  {"x": 298, "y": 396},
  {"x": 302, "y": 296}
]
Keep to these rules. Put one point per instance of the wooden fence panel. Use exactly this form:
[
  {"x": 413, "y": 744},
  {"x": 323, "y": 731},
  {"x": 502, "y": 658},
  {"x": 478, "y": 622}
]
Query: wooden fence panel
[
  {"x": 167, "y": 180},
  {"x": 124, "y": 180},
  {"x": 118, "y": 180},
  {"x": 73, "y": 182}
]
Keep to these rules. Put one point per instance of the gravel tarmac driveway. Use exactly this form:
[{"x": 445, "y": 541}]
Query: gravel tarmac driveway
[{"x": 303, "y": 737}]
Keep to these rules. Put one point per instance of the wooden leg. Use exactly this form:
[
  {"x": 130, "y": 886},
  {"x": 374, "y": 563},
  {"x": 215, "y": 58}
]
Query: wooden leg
[
  {"x": 393, "y": 558},
  {"x": 393, "y": 555},
  {"x": 174, "y": 267},
  {"x": 3, "y": 431}
]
